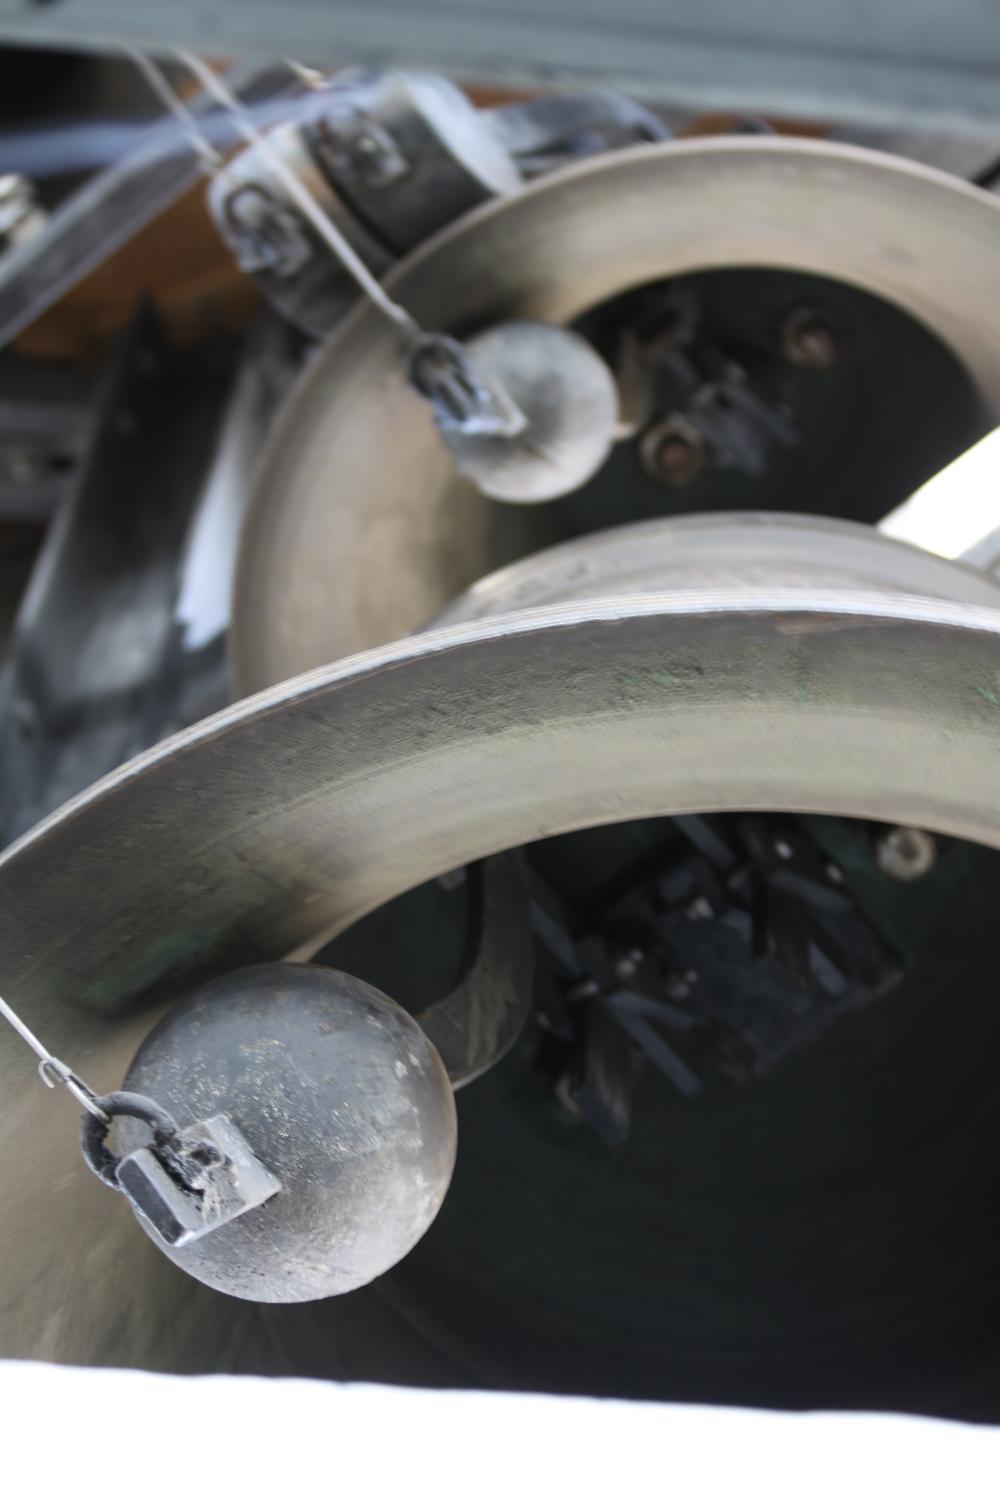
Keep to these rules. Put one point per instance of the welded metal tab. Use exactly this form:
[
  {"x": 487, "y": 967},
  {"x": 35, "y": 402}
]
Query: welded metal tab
[{"x": 180, "y": 1212}]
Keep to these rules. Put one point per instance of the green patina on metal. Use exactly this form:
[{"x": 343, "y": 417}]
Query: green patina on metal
[
  {"x": 991, "y": 694},
  {"x": 150, "y": 967}
]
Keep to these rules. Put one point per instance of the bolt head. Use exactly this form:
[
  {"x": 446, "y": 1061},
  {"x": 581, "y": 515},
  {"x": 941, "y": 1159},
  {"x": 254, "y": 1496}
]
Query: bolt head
[
  {"x": 698, "y": 910},
  {"x": 906, "y": 853},
  {"x": 672, "y": 453},
  {"x": 809, "y": 339}
]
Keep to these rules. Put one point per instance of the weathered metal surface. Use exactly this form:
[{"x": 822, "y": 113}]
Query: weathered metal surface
[
  {"x": 339, "y": 1093},
  {"x": 390, "y": 157},
  {"x": 320, "y": 800},
  {"x": 409, "y": 151},
  {"x": 226, "y": 1180},
  {"x": 271, "y": 240},
  {"x": 692, "y": 553},
  {"x": 310, "y": 805},
  {"x": 355, "y": 469},
  {"x": 563, "y": 405},
  {"x": 480, "y": 1020}
]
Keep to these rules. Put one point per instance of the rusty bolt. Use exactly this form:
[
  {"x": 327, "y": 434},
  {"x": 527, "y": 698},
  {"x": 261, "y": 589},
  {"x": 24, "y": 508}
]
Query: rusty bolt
[
  {"x": 906, "y": 853},
  {"x": 673, "y": 452},
  {"x": 809, "y": 339}
]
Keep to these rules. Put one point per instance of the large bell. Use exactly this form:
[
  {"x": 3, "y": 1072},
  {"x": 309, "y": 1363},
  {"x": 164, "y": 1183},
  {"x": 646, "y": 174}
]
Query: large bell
[
  {"x": 357, "y": 471},
  {"x": 294, "y": 814}
]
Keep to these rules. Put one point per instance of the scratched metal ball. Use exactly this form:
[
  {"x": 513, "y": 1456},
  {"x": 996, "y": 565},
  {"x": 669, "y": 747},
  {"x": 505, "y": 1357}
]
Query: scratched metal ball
[
  {"x": 339, "y": 1093},
  {"x": 568, "y": 398}
]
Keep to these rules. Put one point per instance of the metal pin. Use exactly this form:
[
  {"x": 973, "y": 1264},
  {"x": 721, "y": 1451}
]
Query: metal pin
[{"x": 51, "y": 1070}]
